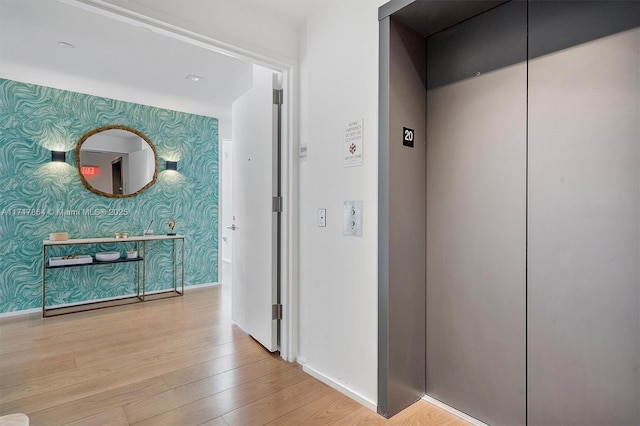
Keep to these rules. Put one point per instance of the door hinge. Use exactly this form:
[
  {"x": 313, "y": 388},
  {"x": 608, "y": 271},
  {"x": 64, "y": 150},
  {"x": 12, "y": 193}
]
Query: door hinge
[
  {"x": 277, "y": 205},
  {"x": 278, "y": 96},
  {"x": 276, "y": 312}
]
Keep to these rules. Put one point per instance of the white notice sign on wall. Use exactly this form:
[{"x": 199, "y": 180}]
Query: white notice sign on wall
[{"x": 353, "y": 144}]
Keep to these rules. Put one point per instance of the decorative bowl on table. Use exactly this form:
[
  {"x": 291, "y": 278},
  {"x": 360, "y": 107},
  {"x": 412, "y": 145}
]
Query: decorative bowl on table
[
  {"x": 107, "y": 256},
  {"x": 120, "y": 235}
]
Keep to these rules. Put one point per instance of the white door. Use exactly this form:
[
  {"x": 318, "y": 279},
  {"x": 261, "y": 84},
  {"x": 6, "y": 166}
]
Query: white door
[
  {"x": 226, "y": 210},
  {"x": 254, "y": 181}
]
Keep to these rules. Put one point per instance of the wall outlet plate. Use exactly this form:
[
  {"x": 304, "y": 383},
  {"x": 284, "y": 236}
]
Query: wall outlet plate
[
  {"x": 352, "y": 218},
  {"x": 322, "y": 218}
]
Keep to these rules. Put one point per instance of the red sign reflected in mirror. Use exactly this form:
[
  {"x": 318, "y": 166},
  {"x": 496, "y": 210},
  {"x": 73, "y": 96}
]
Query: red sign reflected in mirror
[{"x": 90, "y": 171}]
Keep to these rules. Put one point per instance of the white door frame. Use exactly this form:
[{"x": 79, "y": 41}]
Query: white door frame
[
  {"x": 289, "y": 70},
  {"x": 223, "y": 164}
]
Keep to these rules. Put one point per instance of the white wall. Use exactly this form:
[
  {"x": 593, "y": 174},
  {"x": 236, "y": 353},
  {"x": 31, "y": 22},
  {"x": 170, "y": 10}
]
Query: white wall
[
  {"x": 338, "y": 274},
  {"x": 140, "y": 170}
]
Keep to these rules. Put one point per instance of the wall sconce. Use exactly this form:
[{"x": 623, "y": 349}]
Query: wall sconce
[
  {"x": 171, "y": 165},
  {"x": 60, "y": 156}
]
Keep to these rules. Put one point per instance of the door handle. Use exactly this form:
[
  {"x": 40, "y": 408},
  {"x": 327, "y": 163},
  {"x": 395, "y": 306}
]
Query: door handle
[{"x": 232, "y": 227}]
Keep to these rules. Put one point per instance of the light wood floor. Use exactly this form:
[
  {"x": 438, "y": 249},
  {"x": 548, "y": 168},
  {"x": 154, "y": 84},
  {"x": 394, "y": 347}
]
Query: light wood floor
[{"x": 176, "y": 361}]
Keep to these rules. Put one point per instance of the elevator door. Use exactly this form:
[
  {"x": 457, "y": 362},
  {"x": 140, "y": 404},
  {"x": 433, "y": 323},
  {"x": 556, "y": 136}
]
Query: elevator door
[
  {"x": 532, "y": 213},
  {"x": 476, "y": 215},
  {"x": 584, "y": 213}
]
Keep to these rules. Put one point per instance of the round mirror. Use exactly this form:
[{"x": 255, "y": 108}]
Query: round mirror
[{"x": 116, "y": 161}]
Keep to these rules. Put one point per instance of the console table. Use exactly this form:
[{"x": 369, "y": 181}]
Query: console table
[{"x": 141, "y": 293}]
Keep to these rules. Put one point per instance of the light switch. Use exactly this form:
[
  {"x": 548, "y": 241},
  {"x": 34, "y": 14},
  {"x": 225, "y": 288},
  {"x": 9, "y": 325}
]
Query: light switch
[
  {"x": 352, "y": 218},
  {"x": 322, "y": 218}
]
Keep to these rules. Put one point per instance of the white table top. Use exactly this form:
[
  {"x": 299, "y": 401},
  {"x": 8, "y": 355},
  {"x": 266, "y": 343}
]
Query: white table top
[{"x": 112, "y": 240}]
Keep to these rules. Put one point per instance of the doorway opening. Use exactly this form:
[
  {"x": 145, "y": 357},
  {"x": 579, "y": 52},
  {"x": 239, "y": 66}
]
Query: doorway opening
[
  {"x": 208, "y": 97},
  {"x": 116, "y": 177}
]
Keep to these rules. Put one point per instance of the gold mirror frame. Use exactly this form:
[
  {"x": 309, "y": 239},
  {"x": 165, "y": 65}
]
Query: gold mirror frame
[{"x": 86, "y": 183}]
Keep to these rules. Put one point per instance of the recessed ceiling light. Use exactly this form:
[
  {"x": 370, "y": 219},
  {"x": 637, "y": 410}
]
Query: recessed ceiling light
[
  {"x": 65, "y": 44},
  {"x": 192, "y": 77}
]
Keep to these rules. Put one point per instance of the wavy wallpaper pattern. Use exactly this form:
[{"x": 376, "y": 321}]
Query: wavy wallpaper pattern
[{"x": 37, "y": 194}]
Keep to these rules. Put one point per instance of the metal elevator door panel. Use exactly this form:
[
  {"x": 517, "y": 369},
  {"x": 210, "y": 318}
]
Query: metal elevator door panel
[
  {"x": 584, "y": 213},
  {"x": 476, "y": 215}
]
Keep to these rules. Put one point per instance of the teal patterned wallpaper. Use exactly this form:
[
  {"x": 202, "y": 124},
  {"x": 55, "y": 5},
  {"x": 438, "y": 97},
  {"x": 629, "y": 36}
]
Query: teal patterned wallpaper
[{"x": 37, "y": 194}]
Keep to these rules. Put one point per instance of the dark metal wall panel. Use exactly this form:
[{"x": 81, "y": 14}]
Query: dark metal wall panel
[
  {"x": 584, "y": 214},
  {"x": 383, "y": 217},
  {"x": 488, "y": 42},
  {"x": 476, "y": 219},
  {"x": 558, "y": 25},
  {"x": 403, "y": 197},
  {"x": 427, "y": 17},
  {"x": 407, "y": 198},
  {"x": 390, "y": 8}
]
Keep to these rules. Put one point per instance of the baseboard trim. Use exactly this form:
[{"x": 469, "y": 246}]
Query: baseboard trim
[
  {"x": 23, "y": 312},
  {"x": 197, "y": 286},
  {"x": 337, "y": 386},
  {"x": 39, "y": 310},
  {"x": 453, "y": 411}
]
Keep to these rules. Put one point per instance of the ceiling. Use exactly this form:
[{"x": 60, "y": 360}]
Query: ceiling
[
  {"x": 294, "y": 12},
  {"x": 129, "y": 56}
]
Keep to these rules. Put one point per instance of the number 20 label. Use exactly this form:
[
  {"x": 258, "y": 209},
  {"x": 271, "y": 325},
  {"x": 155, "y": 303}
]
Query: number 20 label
[{"x": 408, "y": 136}]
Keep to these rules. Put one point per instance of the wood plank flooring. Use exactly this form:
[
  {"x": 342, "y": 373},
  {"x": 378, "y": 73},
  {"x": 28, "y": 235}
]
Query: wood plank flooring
[{"x": 178, "y": 361}]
